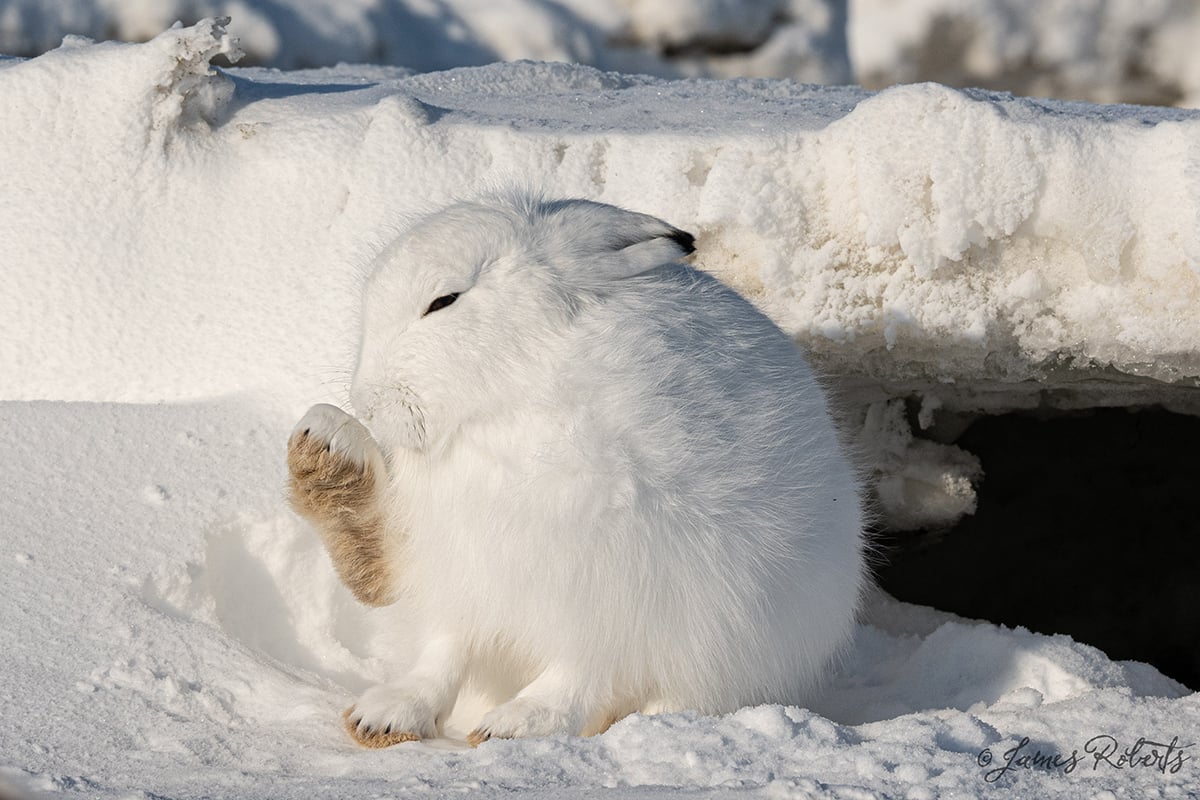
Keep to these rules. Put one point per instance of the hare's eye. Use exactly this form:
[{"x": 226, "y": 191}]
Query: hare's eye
[{"x": 440, "y": 303}]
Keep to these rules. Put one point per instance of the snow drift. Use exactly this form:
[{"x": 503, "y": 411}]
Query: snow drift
[
  {"x": 182, "y": 249},
  {"x": 977, "y": 252}
]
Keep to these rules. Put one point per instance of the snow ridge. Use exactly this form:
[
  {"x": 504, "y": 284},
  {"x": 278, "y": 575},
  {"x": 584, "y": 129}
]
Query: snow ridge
[{"x": 190, "y": 90}]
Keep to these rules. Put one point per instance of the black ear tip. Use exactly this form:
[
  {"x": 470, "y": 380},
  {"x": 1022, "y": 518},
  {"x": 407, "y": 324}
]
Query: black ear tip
[{"x": 685, "y": 240}]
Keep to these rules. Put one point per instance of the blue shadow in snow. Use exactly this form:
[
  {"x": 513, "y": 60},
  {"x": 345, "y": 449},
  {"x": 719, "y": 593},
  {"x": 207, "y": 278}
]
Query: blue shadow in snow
[{"x": 247, "y": 90}]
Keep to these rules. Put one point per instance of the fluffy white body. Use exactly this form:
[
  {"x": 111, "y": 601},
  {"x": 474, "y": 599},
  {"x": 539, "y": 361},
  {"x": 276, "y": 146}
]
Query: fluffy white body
[{"x": 611, "y": 484}]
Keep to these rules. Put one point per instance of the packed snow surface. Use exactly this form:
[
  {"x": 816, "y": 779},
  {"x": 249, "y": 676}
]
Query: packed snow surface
[
  {"x": 171, "y": 631},
  {"x": 182, "y": 250}
]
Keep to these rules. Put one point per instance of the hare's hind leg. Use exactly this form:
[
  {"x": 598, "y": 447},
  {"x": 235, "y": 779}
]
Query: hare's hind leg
[
  {"x": 556, "y": 702},
  {"x": 415, "y": 707},
  {"x": 337, "y": 471}
]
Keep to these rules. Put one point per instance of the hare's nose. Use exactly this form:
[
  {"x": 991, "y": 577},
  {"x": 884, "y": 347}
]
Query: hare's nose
[
  {"x": 365, "y": 401},
  {"x": 370, "y": 401}
]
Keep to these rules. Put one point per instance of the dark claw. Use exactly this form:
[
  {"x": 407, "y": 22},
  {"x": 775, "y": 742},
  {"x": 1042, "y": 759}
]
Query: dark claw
[
  {"x": 387, "y": 730},
  {"x": 306, "y": 430}
]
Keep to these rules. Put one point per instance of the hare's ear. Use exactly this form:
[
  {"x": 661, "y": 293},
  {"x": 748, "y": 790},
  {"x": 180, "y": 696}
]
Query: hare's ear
[{"x": 610, "y": 243}]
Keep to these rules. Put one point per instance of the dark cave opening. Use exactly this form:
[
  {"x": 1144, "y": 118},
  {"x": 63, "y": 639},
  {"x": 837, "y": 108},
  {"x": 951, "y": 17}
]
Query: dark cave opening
[{"x": 1088, "y": 524}]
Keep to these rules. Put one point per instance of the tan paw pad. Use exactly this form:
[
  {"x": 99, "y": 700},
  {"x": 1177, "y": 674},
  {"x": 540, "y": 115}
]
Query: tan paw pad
[{"x": 373, "y": 739}]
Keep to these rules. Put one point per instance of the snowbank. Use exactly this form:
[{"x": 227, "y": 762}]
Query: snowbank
[
  {"x": 182, "y": 250},
  {"x": 976, "y": 252}
]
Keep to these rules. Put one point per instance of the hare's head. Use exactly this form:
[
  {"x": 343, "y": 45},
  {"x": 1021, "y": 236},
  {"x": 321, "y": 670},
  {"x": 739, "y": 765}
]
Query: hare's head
[{"x": 466, "y": 315}]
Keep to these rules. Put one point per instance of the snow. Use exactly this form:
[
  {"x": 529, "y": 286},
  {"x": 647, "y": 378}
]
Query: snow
[
  {"x": 170, "y": 630},
  {"x": 804, "y": 39},
  {"x": 1097, "y": 50},
  {"x": 979, "y": 252},
  {"x": 182, "y": 250}
]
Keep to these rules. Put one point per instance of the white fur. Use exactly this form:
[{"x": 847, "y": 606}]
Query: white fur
[
  {"x": 344, "y": 435},
  {"x": 615, "y": 483}
]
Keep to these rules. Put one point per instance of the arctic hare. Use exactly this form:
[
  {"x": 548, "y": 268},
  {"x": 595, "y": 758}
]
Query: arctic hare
[{"x": 604, "y": 482}]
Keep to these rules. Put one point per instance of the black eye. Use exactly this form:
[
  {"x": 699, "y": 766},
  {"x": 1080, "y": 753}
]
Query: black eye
[{"x": 441, "y": 303}]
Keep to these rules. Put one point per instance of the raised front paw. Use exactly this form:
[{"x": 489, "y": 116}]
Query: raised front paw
[
  {"x": 334, "y": 463},
  {"x": 388, "y": 715}
]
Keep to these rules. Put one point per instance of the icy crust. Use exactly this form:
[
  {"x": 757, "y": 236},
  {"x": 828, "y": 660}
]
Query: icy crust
[
  {"x": 170, "y": 630},
  {"x": 171, "y": 82},
  {"x": 958, "y": 236}
]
